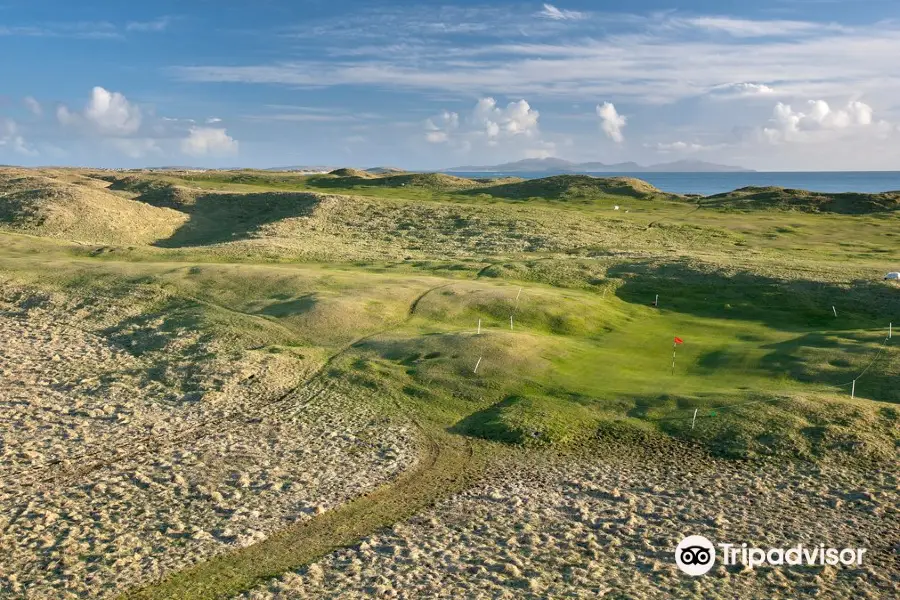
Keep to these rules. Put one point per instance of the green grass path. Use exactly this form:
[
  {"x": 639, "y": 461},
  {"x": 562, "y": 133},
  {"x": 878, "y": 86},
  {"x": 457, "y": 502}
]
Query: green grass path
[{"x": 447, "y": 464}]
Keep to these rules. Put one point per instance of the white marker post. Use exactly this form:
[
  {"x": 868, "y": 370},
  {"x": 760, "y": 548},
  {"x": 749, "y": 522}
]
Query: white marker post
[
  {"x": 656, "y": 302},
  {"x": 519, "y": 294},
  {"x": 890, "y": 330},
  {"x": 853, "y": 389},
  {"x": 835, "y": 310},
  {"x": 475, "y": 370},
  {"x": 510, "y": 322},
  {"x": 479, "y": 327},
  {"x": 694, "y": 420}
]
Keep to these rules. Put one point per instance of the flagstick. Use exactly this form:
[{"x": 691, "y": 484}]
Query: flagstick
[{"x": 674, "y": 348}]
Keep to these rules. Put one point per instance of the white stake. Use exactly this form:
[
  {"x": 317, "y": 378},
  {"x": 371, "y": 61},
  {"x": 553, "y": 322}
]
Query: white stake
[
  {"x": 479, "y": 326},
  {"x": 656, "y": 302},
  {"x": 853, "y": 389},
  {"x": 890, "y": 330},
  {"x": 519, "y": 294},
  {"x": 475, "y": 370},
  {"x": 835, "y": 310},
  {"x": 510, "y": 322},
  {"x": 694, "y": 420}
]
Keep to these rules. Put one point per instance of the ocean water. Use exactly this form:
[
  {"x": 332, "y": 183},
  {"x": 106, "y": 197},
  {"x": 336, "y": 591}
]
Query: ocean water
[{"x": 708, "y": 184}]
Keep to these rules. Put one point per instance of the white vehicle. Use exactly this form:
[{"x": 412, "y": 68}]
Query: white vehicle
[{"x": 895, "y": 275}]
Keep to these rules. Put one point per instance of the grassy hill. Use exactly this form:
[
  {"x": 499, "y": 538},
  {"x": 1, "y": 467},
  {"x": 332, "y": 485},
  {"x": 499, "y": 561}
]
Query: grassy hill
[
  {"x": 52, "y": 207},
  {"x": 576, "y": 187},
  {"x": 498, "y": 320},
  {"x": 776, "y": 198},
  {"x": 753, "y": 294}
]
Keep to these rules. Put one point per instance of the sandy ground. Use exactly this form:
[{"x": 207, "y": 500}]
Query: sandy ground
[
  {"x": 107, "y": 481},
  {"x": 607, "y": 527}
]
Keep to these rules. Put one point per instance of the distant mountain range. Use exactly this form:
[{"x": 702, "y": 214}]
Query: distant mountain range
[{"x": 541, "y": 165}]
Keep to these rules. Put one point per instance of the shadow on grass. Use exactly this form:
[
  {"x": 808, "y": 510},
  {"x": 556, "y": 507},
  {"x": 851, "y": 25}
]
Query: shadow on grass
[
  {"x": 216, "y": 218},
  {"x": 571, "y": 187},
  {"x": 789, "y": 305},
  {"x": 818, "y": 359},
  {"x": 491, "y": 424}
]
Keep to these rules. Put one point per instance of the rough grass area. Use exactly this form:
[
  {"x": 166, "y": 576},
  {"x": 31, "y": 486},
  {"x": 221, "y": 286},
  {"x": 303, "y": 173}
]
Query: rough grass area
[
  {"x": 48, "y": 206},
  {"x": 213, "y": 378},
  {"x": 576, "y": 187},
  {"x": 769, "y": 198}
]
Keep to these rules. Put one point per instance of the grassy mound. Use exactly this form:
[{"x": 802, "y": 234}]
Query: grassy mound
[
  {"x": 432, "y": 181},
  {"x": 768, "y": 198},
  {"x": 385, "y": 170},
  {"x": 49, "y": 207},
  {"x": 575, "y": 187},
  {"x": 346, "y": 172},
  {"x": 351, "y": 178},
  {"x": 153, "y": 192}
]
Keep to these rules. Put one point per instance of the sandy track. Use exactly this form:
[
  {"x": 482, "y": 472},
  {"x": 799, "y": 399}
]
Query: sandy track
[
  {"x": 446, "y": 464},
  {"x": 607, "y": 527},
  {"x": 138, "y": 510}
]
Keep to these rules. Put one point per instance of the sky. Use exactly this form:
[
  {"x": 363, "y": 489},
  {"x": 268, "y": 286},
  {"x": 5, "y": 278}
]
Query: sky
[{"x": 776, "y": 85}]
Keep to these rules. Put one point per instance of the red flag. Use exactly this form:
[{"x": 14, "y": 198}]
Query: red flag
[{"x": 678, "y": 340}]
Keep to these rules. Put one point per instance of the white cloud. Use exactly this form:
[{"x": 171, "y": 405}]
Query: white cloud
[
  {"x": 541, "y": 150},
  {"x": 439, "y": 128},
  {"x": 611, "y": 122},
  {"x": 518, "y": 118},
  {"x": 748, "y": 28},
  {"x": 792, "y": 125},
  {"x": 33, "y": 106},
  {"x": 154, "y": 26},
  {"x": 551, "y": 12},
  {"x": 510, "y": 129},
  {"x": 10, "y": 137},
  {"x": 135, "y": 147},
  {"x": 437, "y": 137},
  {"x": 676, "y": 59},
  {"x": 88, "y": 30},
  {"x": 209, "y": 141},
  {"x": 679, "y": 147},
  {"x": 213, "y": 120},
  {"x": 107, "y": 113},
  {"x": 742, "y": 90}
]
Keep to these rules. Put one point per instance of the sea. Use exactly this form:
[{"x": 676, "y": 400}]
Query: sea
[{"x": 708, "y": 184}]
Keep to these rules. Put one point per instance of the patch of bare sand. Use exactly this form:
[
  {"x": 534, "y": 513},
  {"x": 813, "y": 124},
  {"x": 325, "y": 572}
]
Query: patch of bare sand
[
  {"x": 107, "y": 481},
  {"x": 608, "y": 527}
]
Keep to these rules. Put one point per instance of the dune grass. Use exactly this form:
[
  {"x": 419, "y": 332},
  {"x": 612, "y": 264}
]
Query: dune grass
[{"x": 380, "y": 283}]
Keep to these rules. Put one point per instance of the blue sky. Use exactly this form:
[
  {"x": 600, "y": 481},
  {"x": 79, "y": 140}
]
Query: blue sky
[{"x": 769, "y": 84}]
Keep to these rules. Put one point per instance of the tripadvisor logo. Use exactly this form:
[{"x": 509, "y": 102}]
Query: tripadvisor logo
[{"x": 696, "y": 555}]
